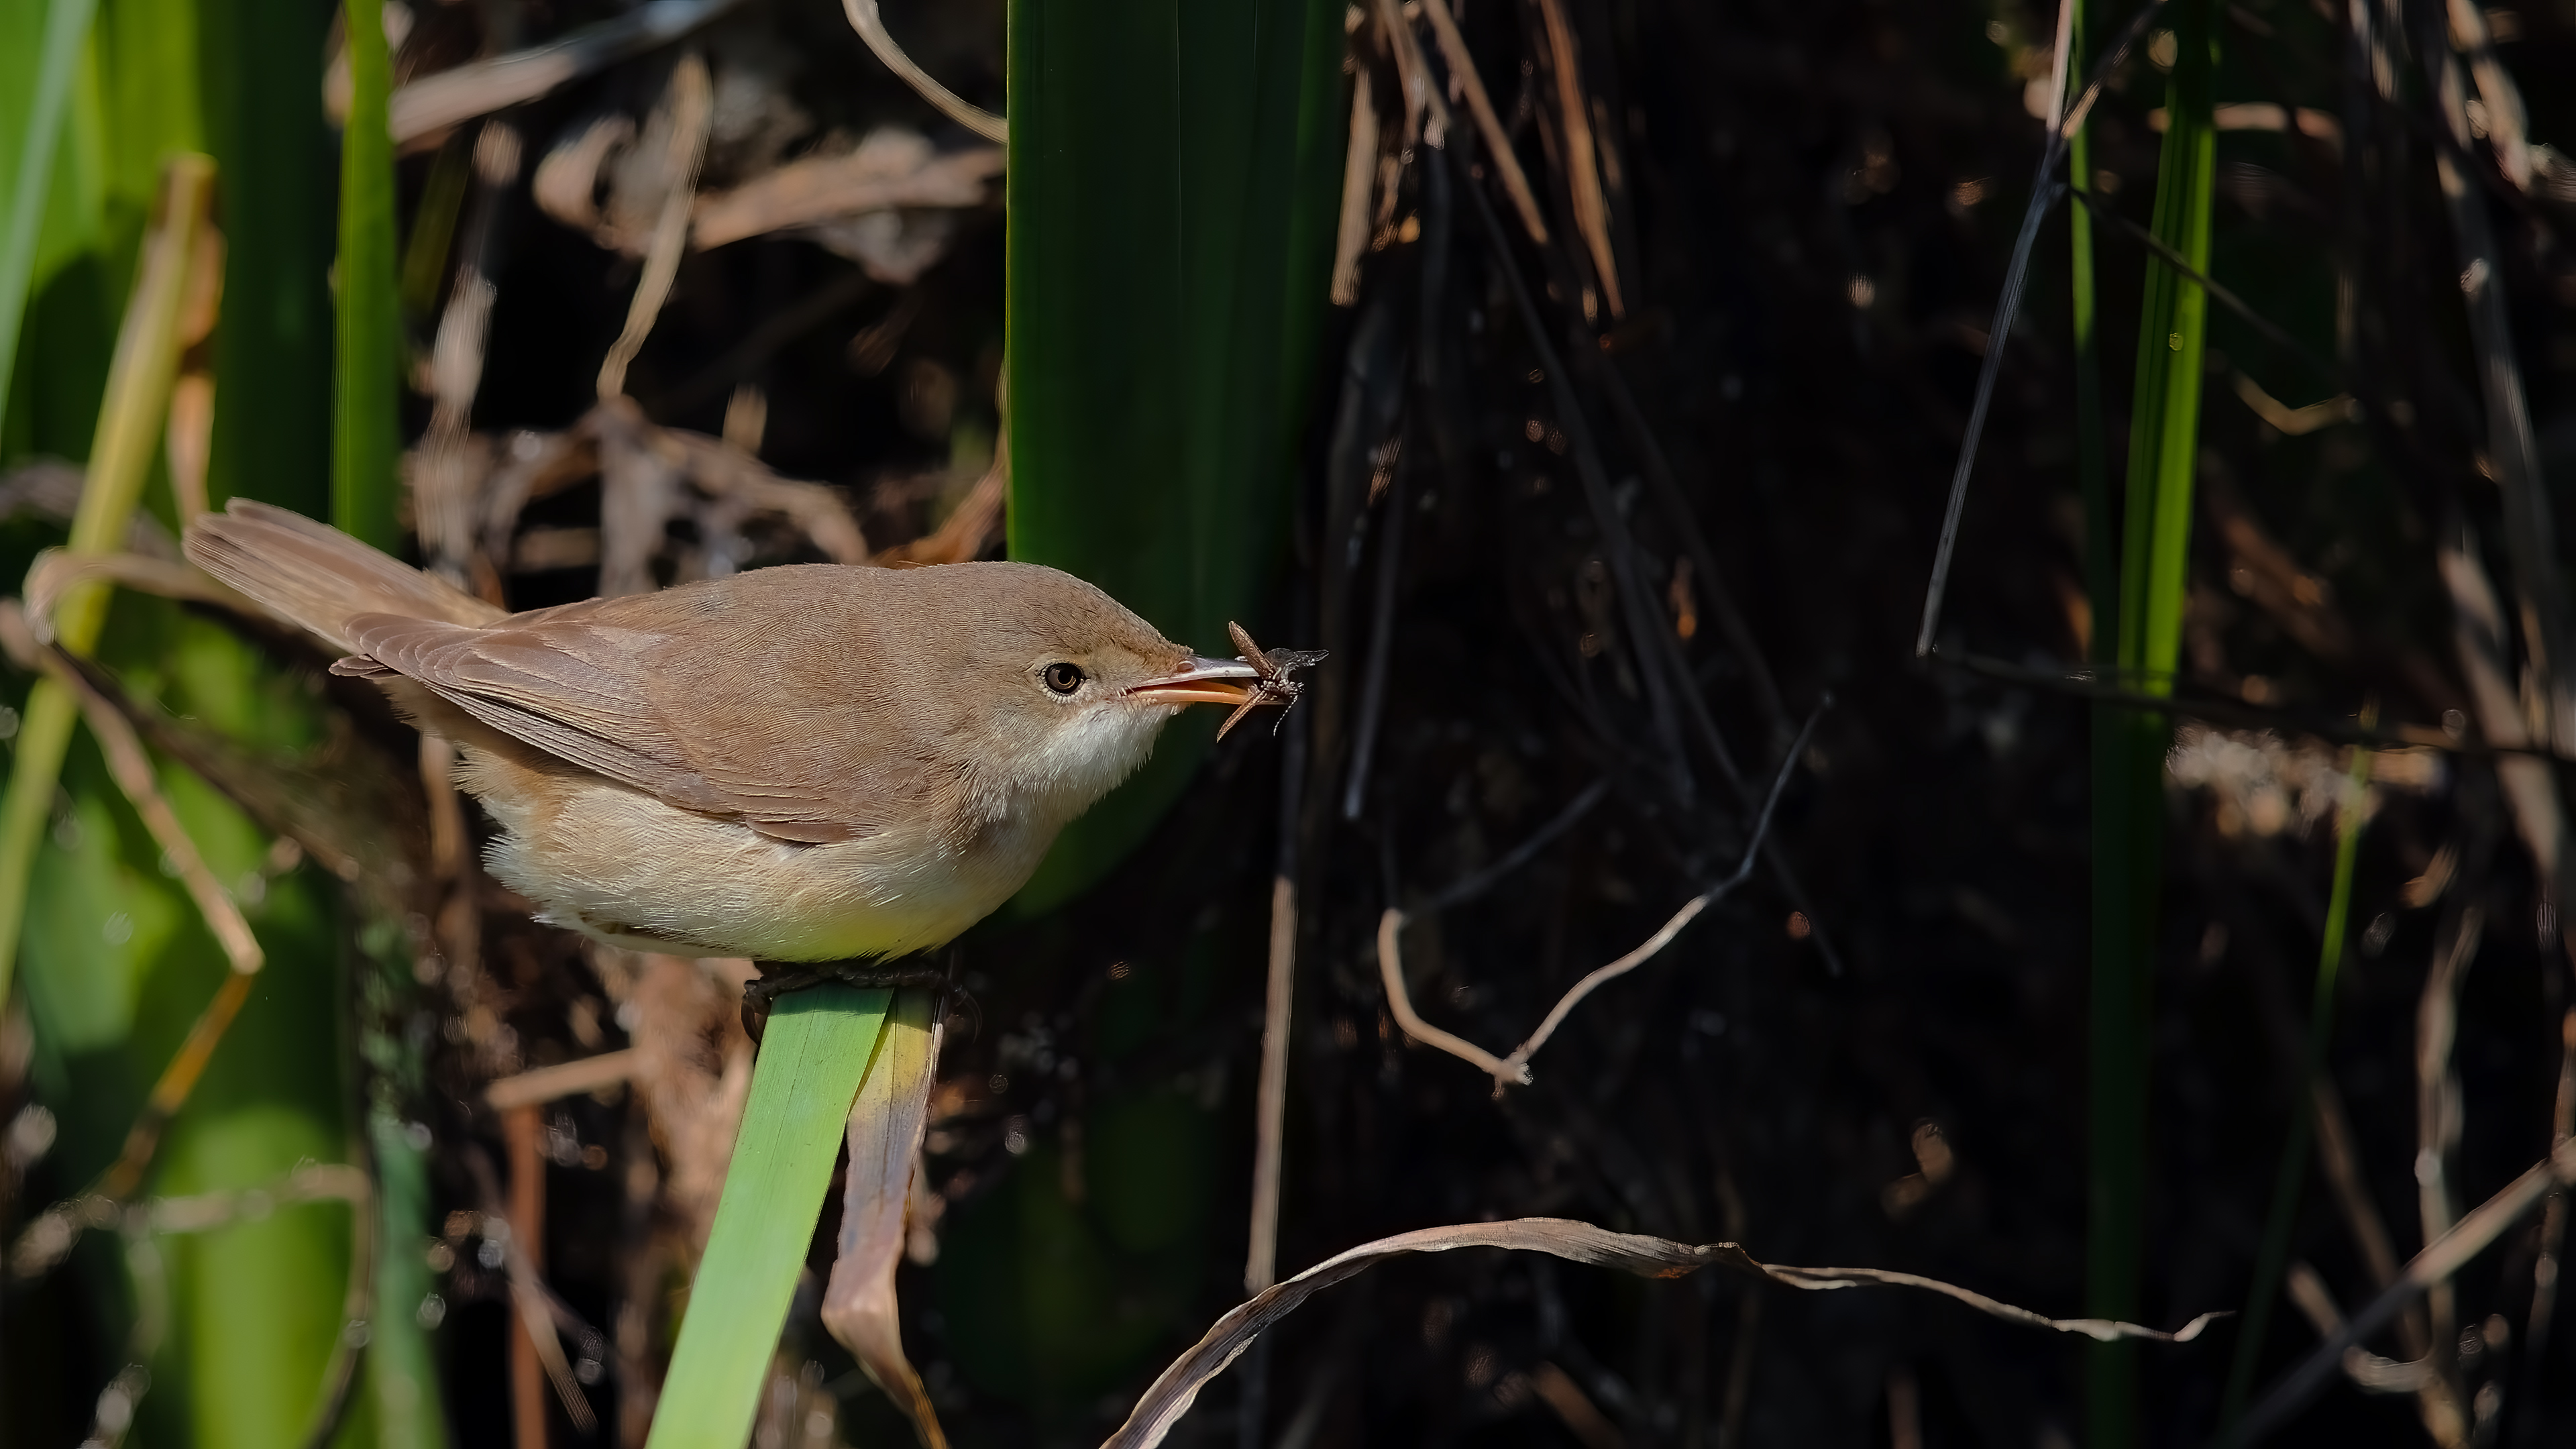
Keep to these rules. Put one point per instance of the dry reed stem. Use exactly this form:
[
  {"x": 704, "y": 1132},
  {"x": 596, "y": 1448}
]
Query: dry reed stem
[
  {"x": 2440, "y": 1259},
  {"x": 131, "y": 767},
  {"x": 2508, "y": 128},
  {"x": 1582, "y": 159},
  {"x": 692, "y": 112},
  {"x": 1514, "y": 1070},
  {"x": 1261, "y": 1258},
  {"x": 2546, "y": 1264},
  {"x": 432, "y": 104},
  {"x": 1498, "y": 144},
  {"x": 2371, "y": 1373},
  {"x": 2512, "y": 450},
  {"x": 564, "y": 1079},
  {"x": 2440, "y": 1107},
  {"x": 870, "y": 25},
  {"x": 1426, "y": 111},
  {"x": 534, "y": 1343},
  {"x": 2480, "y": 642},
  {"x": 1359, "y": 172}
]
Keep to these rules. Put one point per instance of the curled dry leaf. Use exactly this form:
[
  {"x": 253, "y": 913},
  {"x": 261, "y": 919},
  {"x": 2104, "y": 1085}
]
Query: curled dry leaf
[
  {"x": 1171, "y": 1394},
  {"x": 886, "y": 1126}
]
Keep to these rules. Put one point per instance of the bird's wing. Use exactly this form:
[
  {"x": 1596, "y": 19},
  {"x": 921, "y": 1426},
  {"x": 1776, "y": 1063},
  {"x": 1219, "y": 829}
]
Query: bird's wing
[{"x": 584, "y": 691}]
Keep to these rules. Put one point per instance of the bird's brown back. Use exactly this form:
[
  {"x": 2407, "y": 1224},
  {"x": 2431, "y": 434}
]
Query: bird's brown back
[{"x": 815, "y": 702}]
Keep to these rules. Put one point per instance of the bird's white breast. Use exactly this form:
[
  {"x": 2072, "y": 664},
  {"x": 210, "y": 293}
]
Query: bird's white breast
[{"x": 622, "y": 866}]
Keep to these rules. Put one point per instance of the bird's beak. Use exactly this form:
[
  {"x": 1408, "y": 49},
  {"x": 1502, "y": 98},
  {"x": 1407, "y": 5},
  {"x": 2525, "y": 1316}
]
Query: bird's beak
[{"x": 1199, "y": 680}]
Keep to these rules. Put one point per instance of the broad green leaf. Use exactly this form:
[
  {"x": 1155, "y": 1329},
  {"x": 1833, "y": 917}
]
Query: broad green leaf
[
  {"x": 1163, "y": 291},
  {"x": 262, "y": 66}
]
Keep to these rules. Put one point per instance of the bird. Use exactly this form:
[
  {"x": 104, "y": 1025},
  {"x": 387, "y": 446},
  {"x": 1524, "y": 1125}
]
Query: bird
[{"x": 804, "y": 763}]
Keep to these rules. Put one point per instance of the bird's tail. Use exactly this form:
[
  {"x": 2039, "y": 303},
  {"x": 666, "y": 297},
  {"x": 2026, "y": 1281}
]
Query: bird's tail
[{"x": 316, "y": 577}]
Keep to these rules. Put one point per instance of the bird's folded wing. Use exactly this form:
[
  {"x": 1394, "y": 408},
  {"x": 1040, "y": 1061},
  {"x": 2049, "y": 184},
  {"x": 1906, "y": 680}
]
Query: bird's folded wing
[{"x": 580, "y": 692}]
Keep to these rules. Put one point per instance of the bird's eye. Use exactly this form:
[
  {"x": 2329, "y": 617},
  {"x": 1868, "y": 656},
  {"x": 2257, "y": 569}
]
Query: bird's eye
[{"x": 1064, "y": 678}]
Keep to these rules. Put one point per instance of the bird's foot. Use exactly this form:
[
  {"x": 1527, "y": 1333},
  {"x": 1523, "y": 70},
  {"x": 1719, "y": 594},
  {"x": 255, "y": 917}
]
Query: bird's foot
[{"x": 777, "y": 978}]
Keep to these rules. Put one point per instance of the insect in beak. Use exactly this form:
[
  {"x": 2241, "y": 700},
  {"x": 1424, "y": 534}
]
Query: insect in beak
[{"x": 1258, "y": 678}]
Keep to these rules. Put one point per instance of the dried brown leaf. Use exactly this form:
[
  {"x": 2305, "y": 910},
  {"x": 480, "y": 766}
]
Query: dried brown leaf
[
  {"x": 1171, "y": 1394},
  {"x": 886, "y": 1126}
]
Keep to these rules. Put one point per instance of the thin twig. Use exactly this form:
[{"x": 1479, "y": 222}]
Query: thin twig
[
  {"x": 2081, "y": 683},
  {"x": 1498, "y": 146},
  {"x": 1642, "y": 619},
  {"x": 564, "y": 1079},
  {"x": 2512, "y": 451},
  {"x": 1373, "y": 672},
  {"x": 1520, "y": 855},
  {"x": 1582, "y": 161},
  {"x": 2441, "y": 1258},
  {"x": 1690, "y": 910},
  {"x": 2042, "y": 195},
  {"x": 1711, "y": 580},
  {"x": 1514, "y": 1069},
  {"x": 1399, "y": 1004},
  {"x": 131, "y": 768},
  {"x": 49, "y": 1237},
  {"x": 2164, "y": 250},
  {"x": 2546, "y": 1266},
  {"x": 2440, "y": 1107}
]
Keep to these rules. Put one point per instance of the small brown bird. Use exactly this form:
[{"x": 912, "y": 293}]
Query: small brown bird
[{"x": 810, "y": 763}]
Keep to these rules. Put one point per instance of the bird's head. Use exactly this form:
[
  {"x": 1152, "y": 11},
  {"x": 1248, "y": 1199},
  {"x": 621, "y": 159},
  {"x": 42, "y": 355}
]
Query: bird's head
[{"x": 1066, "y": 687}]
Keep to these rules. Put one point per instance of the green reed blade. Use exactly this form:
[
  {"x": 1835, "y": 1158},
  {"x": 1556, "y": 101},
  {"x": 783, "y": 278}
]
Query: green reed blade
[
  {"x": 814, "y": 1055},
  {"x": 2129, "y": 750},
  {"x": 39, "y": 52}
]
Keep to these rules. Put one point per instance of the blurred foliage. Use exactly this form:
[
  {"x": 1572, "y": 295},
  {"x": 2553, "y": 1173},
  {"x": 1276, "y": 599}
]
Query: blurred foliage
[
  {"x": 116, "y": 961},
  {"x": 1802, "y": 207}
]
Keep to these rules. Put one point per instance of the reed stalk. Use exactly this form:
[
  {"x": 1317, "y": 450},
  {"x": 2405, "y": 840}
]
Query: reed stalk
[
  {"x": 2129, "y": 749},
  {"x": 366, "y": 430}
]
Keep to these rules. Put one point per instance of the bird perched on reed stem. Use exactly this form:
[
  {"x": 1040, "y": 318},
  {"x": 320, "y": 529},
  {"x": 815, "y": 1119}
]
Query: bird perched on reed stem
[{"x": 817, "y": 762}]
